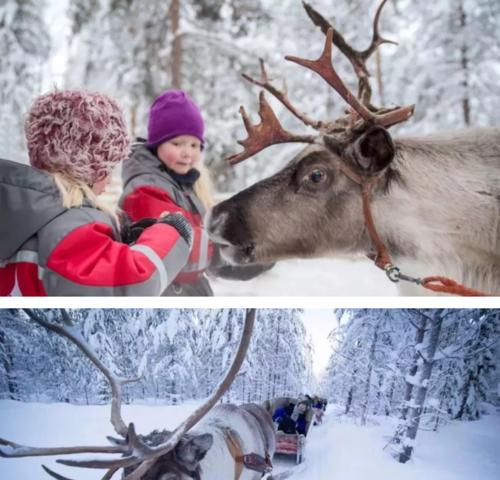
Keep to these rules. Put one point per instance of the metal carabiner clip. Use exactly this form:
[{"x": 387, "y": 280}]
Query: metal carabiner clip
[{"x": 393, "y": 273}]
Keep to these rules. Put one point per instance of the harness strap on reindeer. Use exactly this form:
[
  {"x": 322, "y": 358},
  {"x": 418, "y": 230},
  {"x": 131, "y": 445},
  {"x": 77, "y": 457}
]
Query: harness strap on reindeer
[
  {"x": 252, "y": 461},
  {"x": 382, "y": 257}
]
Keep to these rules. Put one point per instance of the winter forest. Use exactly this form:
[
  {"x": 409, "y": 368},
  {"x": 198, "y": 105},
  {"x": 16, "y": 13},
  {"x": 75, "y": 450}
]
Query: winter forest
[
  {"x": 424, "y": 367},
  {"x": 180, "y": 354},
  {"x": 414, "y": 386},
  {"x": 447, "y": 62}
]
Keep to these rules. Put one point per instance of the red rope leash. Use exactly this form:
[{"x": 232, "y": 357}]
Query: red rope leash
[{"x": 447, "y": 285}]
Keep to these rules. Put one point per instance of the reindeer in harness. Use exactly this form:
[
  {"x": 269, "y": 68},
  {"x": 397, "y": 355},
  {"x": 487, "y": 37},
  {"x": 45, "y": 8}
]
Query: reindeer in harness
[
  {"x": 228, "y": 442},
  {"x": 428, "y": 206}
]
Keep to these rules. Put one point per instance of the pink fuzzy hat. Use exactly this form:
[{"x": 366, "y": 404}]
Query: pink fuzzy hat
[{"x": 77, "y": 133}]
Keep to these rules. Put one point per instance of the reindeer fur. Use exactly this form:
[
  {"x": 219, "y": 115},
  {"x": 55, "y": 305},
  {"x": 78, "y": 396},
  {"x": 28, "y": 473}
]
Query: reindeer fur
[
  {"x": 204, "y": 448},
  {"x": 218, "y": 463},
  {"x": 443, "y": 216},
  {"x": 436, "y": 206}
]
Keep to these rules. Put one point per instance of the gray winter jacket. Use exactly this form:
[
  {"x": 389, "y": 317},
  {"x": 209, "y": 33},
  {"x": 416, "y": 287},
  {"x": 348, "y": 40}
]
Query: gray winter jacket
[{"x": 46, "y": 249}]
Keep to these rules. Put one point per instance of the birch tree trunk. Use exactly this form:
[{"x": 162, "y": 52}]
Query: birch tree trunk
[
  {"x": 277, "y": 359},
  {"x": 364, "y": 406},
  {"x": 421, "y": 325},
  {"x": 176, "y": 58},
  {"x": 427, "y": 354},
  {"x": 271, "y": 369},
  {"x": 350, "y": 394},
  {"x": 464, "y": 61},
  {"x": 7, "y": 363}
]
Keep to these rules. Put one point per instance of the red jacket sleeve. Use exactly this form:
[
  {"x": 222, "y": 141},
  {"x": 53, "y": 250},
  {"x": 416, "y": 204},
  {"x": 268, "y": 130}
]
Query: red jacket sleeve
[
  {"x": 88, "y": 261},
  {"x": 148, "y": 201},
  {"x": 151, "y": 201}
]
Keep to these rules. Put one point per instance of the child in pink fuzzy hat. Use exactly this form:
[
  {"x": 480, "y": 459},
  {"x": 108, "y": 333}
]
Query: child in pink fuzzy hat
[
  {"x": 60, "y": 239},
  {"x": 81, "y": 135}
]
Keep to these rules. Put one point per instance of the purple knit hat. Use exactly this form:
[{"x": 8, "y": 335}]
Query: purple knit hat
[
  {"x": 172, "y": 114},
  {"x": 80, "y": 134}
]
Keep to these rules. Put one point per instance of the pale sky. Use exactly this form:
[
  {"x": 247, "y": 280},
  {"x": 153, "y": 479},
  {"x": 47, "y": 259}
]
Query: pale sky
[{"x": 319, "y": 323}]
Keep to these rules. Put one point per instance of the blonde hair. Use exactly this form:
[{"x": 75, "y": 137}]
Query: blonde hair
[
  {"x": 74, "y": 193},
  {"x": 203, "y": 186}
]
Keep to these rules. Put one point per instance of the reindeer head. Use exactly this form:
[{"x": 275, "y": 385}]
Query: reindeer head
[
  {"x": 312, "y": 206},
  {"x": 181, "y": 463},
  {"x": 158, "y": 456}
]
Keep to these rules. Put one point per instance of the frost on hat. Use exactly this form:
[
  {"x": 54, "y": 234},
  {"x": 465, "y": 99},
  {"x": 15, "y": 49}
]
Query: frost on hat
[
  {"x": 173, "y": 113},
  {"x": 77, "y": 133}
]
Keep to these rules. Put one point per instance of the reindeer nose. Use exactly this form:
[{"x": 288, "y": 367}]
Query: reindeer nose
[
  {"x": 228, "y": 224},
  {"x": 215, "y": 225}
]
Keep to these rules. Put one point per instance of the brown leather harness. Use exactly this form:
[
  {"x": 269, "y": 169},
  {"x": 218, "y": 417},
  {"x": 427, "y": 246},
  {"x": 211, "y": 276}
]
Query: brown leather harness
[
  {"x": 382, "y": 258},
  {"x": 252, "y": 461}
]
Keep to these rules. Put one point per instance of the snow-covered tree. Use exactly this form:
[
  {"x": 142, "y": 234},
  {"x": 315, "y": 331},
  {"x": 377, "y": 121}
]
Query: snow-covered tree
[
  {"x": 177, "y": 353},
  {"x": 421, "y": 366},
  {"x": 477, "y": 365},
  {"x": 24, "y": 47},
  {"x": 450, "y": 80}
]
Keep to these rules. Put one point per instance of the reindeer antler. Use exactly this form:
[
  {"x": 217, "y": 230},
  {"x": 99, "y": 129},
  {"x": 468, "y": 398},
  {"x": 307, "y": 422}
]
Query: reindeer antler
[
  {"x": 282, "y": 96},
  {"x": 196, "y": 416},
  {"x": 357, "y": 58},
  {"x": 323, "y": 66},
  {"x": 133, "y": 449},
  {"x": 270, "y": 132}
]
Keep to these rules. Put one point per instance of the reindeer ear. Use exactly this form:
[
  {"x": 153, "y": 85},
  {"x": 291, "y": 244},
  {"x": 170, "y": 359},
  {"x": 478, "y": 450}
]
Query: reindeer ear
[
  {"x": 372, "y": 151},
  {"x": 191, "y": 451}
]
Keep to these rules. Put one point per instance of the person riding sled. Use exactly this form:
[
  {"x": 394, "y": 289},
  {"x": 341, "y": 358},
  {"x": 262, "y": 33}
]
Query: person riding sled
[{"x": 291, "y": 418}]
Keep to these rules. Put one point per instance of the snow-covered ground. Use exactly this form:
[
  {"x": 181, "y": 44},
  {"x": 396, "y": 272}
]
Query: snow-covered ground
[
  {"x": 341, "y": 450},
  {"x": 312, "y": 277},
  {"x": 60, "y": 424},
  {"x": 336, "y": 450}
]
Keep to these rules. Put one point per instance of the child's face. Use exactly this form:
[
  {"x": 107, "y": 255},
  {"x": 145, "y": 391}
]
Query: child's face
[
  {"x": 100, "y": 186},
  {"x": 181, "y": 153}
]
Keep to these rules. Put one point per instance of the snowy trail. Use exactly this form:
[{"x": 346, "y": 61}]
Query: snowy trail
[
  {"x": 336, "y": 450},
  {"x": 341, "y": 450}
]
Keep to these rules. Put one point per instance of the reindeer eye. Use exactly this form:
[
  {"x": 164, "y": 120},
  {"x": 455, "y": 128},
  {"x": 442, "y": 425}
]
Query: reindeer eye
[{"x": 317, "y": 176}]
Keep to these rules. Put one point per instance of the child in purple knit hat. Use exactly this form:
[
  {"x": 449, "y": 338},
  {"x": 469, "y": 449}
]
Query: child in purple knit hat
[{"x": 165, "y": 174}]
